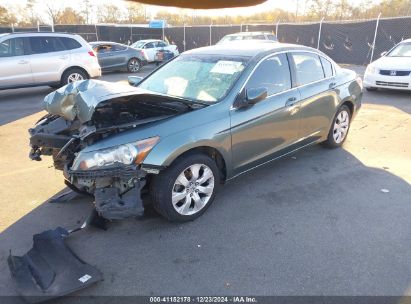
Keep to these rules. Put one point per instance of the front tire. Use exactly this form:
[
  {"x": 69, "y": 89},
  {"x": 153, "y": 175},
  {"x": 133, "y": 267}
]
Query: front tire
[
  {"x": 133, "y": 65},
  {"x": 339, "y": 128},
  {"x": 185, "y": 190}
]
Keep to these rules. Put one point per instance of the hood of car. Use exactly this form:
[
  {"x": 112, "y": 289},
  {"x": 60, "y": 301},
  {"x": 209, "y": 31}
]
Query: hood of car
[
  {"x": 83, "y": 99},
  {"x": 393, "y": 63},
  {"x": 79, "y": 99}
]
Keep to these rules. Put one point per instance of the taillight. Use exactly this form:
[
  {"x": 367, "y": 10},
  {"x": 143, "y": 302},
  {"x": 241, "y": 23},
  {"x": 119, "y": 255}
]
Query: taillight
[
  {"x": 360, "y": 82},
  {"x": 91, "y": 53}
]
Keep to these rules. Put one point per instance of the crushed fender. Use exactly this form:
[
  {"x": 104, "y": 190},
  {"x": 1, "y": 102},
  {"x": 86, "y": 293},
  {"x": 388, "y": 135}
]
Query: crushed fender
[{"x": 50, "y": 269}]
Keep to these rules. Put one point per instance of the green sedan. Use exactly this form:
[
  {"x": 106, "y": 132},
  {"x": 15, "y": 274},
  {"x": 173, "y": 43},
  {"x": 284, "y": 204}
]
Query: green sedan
[{"x": 204, "y": 118}]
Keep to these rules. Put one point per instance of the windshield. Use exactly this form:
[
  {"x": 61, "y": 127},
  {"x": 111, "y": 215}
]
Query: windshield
[
  {"x": 402, "y": 50},
  {"x": 138, "y": 44},
  {"x": 241, "y": 37},
  {"x": 198, "y": 78}
]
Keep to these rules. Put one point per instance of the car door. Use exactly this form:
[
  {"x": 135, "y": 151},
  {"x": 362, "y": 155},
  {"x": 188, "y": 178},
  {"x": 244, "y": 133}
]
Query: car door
[
  {"x": 105, "y": 55},
  {"x": 319, "y": 99},
  {"x": 150, "y": 50},
  {"x": 119, "y": 55},
  {"x": 15, "y": 69},
  {"x": 262, "y": 131},
  {"x": 48, "y": 58}
]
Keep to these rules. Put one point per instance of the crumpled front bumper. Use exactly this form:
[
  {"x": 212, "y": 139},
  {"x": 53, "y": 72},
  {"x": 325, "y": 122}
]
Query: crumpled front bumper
[{"x": 117, "y": 192}]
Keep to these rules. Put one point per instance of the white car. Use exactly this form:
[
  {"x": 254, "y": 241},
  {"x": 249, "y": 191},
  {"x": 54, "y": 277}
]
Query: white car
[
  {"x": 150, "y": 47},
  {"x": 248, "y": 36},
  {"x": 392, "y": 70},
  {"x": 36, "y": 59}
]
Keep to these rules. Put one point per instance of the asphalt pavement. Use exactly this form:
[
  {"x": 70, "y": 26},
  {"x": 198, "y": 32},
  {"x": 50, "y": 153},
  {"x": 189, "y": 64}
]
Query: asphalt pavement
[{"x": 319, "y": 222}]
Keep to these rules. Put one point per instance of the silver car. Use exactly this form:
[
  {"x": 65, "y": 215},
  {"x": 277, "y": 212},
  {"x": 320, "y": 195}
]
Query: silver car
[
  {"x": 114, "y": 56},
  {"x": 54, "y": 59}
]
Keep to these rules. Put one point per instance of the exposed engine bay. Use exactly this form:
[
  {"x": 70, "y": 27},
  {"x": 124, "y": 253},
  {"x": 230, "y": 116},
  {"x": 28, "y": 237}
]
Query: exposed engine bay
[{"x": 84, "y": 113}]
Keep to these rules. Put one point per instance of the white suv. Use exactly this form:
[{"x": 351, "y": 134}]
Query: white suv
[{"x": 54, "y": 59}]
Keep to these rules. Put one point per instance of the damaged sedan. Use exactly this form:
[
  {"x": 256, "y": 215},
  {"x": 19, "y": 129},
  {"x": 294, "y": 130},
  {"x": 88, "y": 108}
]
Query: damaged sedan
[{"x": 200, "y": 120}]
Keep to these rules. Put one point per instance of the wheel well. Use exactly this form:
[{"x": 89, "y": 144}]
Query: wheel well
[
  {"x": 75, "y": 67},
  {"x": 350, "y": 105},
  {"x": 214, "y": 154}
]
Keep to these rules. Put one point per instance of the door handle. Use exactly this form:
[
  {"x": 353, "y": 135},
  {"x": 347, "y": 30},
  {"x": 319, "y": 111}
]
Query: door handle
[
  {"x": 332, "y": 85},
  {"x": 291, "y": 101},
  {"x": 23, "y": 62}
]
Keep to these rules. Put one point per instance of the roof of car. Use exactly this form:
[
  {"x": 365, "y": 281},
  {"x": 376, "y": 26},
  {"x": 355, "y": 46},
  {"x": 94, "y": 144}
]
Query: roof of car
[
  {"x": 38, "y": 33},
  {"x": 250, "y": 33},
  {"x": 149, "y": 40},
  {"x": 242, "y": 48},
  {"x": 105, "y": 42}
]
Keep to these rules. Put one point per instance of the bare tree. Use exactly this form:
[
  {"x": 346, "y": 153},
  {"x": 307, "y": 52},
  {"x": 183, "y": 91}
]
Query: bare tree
[
  {"x": 69, "y": 16},
  {"x": 109, "y": 14},
  {"x": 136, "y": 13},
  {"x": 53, "y": 9}
]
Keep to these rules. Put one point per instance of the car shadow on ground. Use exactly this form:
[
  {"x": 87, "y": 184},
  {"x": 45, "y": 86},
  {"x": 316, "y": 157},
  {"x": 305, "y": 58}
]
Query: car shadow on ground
[
  {"x": 314, "y": 223},
  {"x": 18, "y": 103}
]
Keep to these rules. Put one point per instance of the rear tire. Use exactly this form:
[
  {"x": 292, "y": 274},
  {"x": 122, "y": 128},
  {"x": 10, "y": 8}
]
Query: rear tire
[
  {"x": 339, "y": 128},
  {"x": 73, "y": 75},
  {"x": 185, "y": 190},
  {"x": 133, "y": 65}
]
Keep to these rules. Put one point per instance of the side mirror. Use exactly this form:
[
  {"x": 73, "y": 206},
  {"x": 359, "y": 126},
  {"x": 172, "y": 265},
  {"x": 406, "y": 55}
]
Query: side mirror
[
  {"x": 134, "y": 80},
  {"x": 384, "y": 53},
  {"x": 254, "y": 95}
]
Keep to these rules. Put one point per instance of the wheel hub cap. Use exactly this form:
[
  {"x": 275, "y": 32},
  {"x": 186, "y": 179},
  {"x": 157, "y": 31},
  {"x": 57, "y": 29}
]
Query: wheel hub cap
[
  {"x": 341, "y": 126},
  {"x": 193, "y": 189},
  {"x": 75, "y": 77}
]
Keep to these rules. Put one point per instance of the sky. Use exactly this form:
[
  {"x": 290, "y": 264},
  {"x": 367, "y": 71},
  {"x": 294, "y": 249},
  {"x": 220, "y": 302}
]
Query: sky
[
  {"x": 269, "y": 4},
  {"x": 288, "y": 5}
]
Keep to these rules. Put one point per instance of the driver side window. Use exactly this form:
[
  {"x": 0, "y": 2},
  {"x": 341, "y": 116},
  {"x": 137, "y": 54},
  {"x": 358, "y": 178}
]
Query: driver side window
[{"x": 273, "y": 73}]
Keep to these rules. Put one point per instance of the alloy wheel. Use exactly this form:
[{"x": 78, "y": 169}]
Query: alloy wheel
[
  {"x": 193, "y": 189},
  {"x": 75, "y": 77},
  {"x": 134, "y": 65},
  {"x": 341, "y": 125}
]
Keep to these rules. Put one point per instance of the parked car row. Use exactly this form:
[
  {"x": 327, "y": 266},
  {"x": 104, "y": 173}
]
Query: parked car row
[{"x": 56, "y": 59}]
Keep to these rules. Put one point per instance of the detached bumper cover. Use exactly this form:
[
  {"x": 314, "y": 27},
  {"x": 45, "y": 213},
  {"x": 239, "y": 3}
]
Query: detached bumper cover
[{"x": 50, "y": 269}]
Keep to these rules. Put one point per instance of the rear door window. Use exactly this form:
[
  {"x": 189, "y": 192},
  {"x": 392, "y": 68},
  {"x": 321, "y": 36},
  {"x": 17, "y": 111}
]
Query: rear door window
[
  {"x": 273, "y": 73},
  {"x": 69, "y": 43},
  {"x": 118, "y": 47},
  {"x": 327, "y": 66},
  {"x": 12, "y": 47},
  {"x": 103, "y": 48},
  {"x": 149, "y": 45},
  {"x": 308, "y": 68},
  {"x": 44, "y": 44}
]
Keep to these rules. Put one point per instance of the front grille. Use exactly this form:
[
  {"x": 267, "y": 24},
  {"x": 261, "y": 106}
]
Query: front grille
[
  {"x": 392, "y": 84},
  {"x": 397, "y": 73},
  {"x": 114, "y": 172}
]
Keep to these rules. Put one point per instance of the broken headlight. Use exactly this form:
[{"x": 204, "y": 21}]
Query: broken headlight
[{"x": 123, "y": 155}]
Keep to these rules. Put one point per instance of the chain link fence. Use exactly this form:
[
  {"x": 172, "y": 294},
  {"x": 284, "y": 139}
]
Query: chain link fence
[{"x": 349, "y": 42}]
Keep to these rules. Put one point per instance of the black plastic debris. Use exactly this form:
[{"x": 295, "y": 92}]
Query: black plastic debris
[{"x": 50, "y": 269}]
